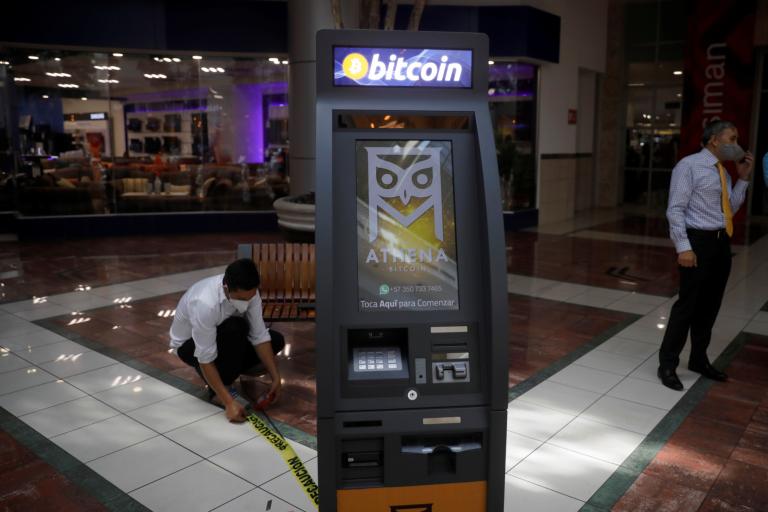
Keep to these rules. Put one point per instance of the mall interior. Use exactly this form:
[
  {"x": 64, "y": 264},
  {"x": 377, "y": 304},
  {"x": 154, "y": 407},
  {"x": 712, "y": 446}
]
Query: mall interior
[{"x": 144, "y": 146}]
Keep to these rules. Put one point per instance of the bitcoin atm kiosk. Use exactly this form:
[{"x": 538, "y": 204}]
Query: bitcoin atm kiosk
[{"x": 411, "y": 282}]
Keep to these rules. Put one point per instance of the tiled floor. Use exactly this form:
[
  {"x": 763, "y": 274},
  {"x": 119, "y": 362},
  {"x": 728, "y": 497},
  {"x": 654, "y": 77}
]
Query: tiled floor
[{"x": 587, "y": 313}]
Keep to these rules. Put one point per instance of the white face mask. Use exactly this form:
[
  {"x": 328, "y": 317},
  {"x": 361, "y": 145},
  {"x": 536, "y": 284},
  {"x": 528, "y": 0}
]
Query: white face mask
[{"x": 240, "y": 305}]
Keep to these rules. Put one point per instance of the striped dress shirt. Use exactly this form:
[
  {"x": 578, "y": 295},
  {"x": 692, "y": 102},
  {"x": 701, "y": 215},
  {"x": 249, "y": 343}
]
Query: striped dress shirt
[{"x": 695, "y": 197}]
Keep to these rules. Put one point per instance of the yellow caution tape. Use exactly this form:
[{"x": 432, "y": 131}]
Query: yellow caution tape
[{"x": 294, "y": 463}]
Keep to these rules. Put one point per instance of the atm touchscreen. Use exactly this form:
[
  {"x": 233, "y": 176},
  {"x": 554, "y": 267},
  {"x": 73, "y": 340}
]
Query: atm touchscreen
[{"x": 406, "y": 226}]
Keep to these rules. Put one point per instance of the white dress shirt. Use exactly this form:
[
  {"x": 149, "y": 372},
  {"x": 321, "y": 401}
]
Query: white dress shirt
[
  {"x": 695, "y": 197},
  {"x": 203, "y": 308}
]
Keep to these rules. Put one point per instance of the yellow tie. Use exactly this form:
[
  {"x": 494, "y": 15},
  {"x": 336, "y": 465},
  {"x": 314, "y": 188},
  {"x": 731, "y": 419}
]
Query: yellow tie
[{"x": 726, "y": 202}]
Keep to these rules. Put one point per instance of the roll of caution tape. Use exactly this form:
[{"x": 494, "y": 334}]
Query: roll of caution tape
[{"x": 294, "y": 463}]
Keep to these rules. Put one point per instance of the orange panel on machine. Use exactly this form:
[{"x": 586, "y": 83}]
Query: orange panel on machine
[{"x": 459, "y": 497}]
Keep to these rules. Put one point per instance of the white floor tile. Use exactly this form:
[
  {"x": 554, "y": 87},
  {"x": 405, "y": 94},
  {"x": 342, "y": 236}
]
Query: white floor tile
[
  {"x": 46, "y": 353},
  {"x": 608, "y": 362},
  {"x": 623, "y": 414},
  {"x": 518, "y": 448},
  {"x": 102, "y": 438},
  {"x": 23, "y": 378},
  {"x": 212, "y": 435},
  {"x": 143, "y": 392},
  {"x": 157, "y": 286},
  {"x": 560, "y": 397},
  {"x": 143, "y": 463},
  {"x": 114, "y": 291},
  {"x": 46, "y": 311},
  {"x": 257, "y": 500},
  {"x": 647, "y": 393},
  {"x": 562, "y": 291},
  {"x": 564, "y": 471},
  {"x": 604, "y": 442},
  {"x": 202, "y": 486},
  {"x": 535, "y": 421},
  {"x": 107, "y": 378},
  {"x": 39, "y": 397},
  {"x": 628, "y": 348},
  {"x": 70, "y": 365},
  {"x": 34, "y": 338},
  {"x": 10, "y": 361},
  {"x": 173, "y": 412},
  {"x": 68, "y": 416},
  {"x": 583, "y": 377},
  {"x": 627, "y": 306},
  {"x": 286, "y": 488},
  {"x": 23, "y": 305},
  {"x": 520, "y": 496},
  {"x": 240, "y": 460}
]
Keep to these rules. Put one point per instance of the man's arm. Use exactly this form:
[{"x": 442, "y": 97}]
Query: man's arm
[
  {"x": 680, "y": 189},
  {"x": 264, "y": 351},
  {"x": 204, "y": 336},
  {"x": 234, "y": 411}
]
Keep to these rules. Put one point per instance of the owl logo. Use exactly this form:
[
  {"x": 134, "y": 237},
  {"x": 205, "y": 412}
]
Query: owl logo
[{"x": 387, "y": 179}]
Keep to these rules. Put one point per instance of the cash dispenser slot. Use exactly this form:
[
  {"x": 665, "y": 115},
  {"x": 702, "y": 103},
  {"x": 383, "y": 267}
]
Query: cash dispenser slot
[
  {"x": 444, "y": 455},
  {"x": 450, "y": 362}
]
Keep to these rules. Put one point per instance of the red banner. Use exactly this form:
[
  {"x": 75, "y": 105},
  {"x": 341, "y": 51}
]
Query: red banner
[{"x": 719, "y": 71}]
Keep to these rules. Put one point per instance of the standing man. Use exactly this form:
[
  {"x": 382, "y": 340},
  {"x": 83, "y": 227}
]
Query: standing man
[
  {"x": 700, "y": 213},
  {"x": 219, "y": 331}
]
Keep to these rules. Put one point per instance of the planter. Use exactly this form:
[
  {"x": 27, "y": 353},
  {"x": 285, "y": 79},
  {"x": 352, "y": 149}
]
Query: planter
[{"x": 296, "y": 217}]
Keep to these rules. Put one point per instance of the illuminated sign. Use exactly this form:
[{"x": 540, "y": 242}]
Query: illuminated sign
[
  {"x": 406, "y": 244},
  {"x": 402, "y": 67}
]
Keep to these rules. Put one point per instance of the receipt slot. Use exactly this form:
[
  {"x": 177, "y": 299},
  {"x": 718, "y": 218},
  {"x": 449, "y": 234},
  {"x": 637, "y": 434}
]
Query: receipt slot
[{"x": 411, "y": 287}]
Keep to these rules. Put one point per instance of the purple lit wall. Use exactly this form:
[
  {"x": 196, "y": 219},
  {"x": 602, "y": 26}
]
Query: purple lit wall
[{"x": 249, "y": 119}]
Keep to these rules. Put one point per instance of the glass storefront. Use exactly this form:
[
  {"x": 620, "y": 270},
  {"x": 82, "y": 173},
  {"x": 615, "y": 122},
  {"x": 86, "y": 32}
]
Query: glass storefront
[
  {"x": 97, "y": 132},
  {"x": 103, "y": 132},
  {"x": 512, "y": 93},
  {"x": 654, "y": 55}
]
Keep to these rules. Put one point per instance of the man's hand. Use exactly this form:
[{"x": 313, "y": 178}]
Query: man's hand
[
  {"x": 686, "y": 259},
  {"x": 745, "y": 167},
  {"x": 235, "y": 412},
  {"x": 275, "y": 389}
]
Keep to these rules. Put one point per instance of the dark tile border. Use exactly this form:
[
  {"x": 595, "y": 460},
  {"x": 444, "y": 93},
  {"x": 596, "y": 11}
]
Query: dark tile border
[
  {"x": 75, "y": 471},
  {"x": 619, "y": 483},
  {"x": 537, "y": 378}
]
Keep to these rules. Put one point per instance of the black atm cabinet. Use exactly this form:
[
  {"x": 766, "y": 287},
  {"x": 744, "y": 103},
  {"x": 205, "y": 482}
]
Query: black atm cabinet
[{"x": 411, "y": 290}]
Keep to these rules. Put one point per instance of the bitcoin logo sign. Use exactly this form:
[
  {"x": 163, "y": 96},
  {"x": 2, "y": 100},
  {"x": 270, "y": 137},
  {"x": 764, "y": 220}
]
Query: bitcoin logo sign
[{"x": 355, "y": 66}]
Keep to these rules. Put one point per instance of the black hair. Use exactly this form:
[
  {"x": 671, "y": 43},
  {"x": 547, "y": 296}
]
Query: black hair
[
  {"x": 715, "y": 128},
  {"x": 242, "y": 275}
]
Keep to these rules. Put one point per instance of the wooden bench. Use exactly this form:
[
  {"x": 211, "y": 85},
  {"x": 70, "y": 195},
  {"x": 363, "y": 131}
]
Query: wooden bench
[{"x": 287, "y": 279}]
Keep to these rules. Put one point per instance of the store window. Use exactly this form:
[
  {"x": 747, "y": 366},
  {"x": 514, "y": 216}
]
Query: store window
[
  {"x": 654, "y": 91},
  {"x": 111, "y": 133},
  {"x": 512, "y": 94}
]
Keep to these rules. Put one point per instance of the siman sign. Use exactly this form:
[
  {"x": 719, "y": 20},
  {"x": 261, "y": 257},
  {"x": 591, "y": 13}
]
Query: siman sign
[{"x": 402, "y": 67}]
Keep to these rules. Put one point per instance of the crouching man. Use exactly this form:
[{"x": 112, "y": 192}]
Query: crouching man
[{"x": 219, "y": 330}]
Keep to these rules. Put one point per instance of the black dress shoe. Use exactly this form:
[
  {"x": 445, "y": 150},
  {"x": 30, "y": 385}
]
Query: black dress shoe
[
  {"x": 709, "y": 372},
  {"x": 669, "y": 378}
]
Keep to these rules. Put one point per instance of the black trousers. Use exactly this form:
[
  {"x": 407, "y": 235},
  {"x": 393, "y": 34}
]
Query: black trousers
[
  {"x": 701, "y": 293},
  {"x": 235, "y": 354}
]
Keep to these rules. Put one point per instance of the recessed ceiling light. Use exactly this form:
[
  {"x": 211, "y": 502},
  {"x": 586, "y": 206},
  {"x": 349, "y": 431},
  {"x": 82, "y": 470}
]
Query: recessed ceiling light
[
  {"x": 108, "y": 81},
  {"x": 154, "y": 75},
  {"x": 57, "y": 59},
  {"x": 69, "y": 86},
  {"x": 21, "y": 79},
  {"x": 491, "y": 63},
  {"x": 158, "y": 59},
  {"x": 117, "y": 54},
  {"x": 107, "y": 68},
  {"x": 197, "y": 57},
  {"x": 167, "y": 59},
  {"x": 4, "y": 63},
  {"x": 274, "y": 60},
  {"x": 284, "y": 62},
  {"x": 33, "y": 57},
  {"x": 64, "y": 75},
  {"x": 218, "y": 96},
  {"x": 677, "y": 72},
  {"x": 45, "y": 96},
  {"x": 84, "y": 98},
  {"x": 176, "y": 59}
]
